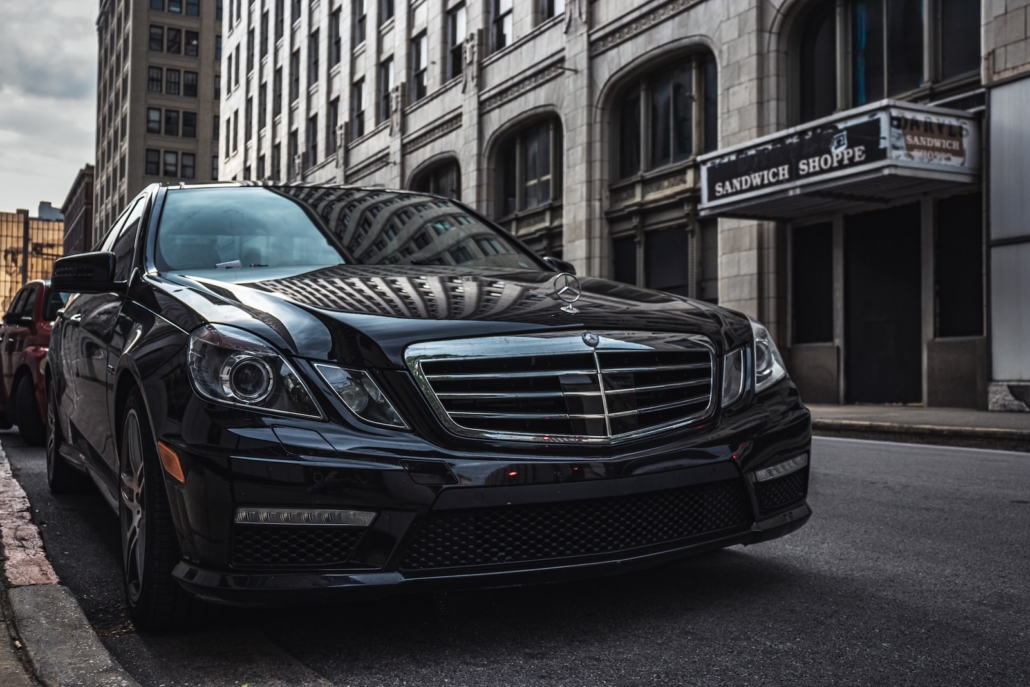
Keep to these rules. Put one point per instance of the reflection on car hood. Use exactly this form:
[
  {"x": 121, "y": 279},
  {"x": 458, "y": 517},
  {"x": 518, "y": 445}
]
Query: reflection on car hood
[{"x": 373, "y": 312}]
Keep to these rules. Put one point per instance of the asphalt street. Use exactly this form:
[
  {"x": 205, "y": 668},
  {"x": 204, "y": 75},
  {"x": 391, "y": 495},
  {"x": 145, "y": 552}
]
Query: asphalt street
[{"x": 914, "y": 570}]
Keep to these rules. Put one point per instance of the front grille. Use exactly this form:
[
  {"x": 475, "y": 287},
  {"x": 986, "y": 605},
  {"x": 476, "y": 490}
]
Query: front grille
[
  {"x": 559, "y": 389},
  {"x": 551, "y": 532},
  {"x": 258, "y": 546},
  {"x": 782, "y": 491}
]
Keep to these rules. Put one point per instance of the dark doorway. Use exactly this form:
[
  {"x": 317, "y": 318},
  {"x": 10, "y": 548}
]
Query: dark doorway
[{"x": 882, "y": 312}]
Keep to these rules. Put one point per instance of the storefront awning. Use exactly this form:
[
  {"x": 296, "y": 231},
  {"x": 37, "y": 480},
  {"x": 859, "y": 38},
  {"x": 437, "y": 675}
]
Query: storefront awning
[{"x": 861, "y": 159}]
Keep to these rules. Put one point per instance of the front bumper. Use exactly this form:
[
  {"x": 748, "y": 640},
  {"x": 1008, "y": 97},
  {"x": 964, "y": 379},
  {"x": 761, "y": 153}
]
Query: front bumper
[{"x": 456, "y": 518}]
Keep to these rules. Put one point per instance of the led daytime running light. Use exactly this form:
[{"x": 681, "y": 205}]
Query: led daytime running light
[
  {"x": 287, "y": 516},
  {"x": 781, "y": 469}
]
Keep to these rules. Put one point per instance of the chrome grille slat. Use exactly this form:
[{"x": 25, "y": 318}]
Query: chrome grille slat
[{"x": 554, "y": 388}]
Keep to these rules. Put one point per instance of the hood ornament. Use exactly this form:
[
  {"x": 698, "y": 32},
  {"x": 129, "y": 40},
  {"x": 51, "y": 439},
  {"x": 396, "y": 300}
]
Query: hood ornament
[{"x": 568, "y": 291}]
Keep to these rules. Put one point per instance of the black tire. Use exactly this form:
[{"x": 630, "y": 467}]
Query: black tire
[
  {"x": 61, "y": 477},
  {"x": 26, "y": 414},
  {"x": 156, "y": 602}
]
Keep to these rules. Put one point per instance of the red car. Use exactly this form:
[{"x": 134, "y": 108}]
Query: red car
[{"x": 24, "y": 340}]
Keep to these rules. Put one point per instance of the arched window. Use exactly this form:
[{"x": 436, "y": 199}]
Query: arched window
[
  {"x": 884, "y": 52},
  {"x": 443, "y": 179},
  {"x": 668, "y": 116},
  {"x": 529, "y": 163}
]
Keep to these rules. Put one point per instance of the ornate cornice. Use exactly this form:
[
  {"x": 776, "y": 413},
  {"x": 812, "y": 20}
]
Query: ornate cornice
[
  {"x": 492, "y": 102},
  {"x": 426, "y": 136},
  {"x": 368, "y": 167},
  {"x": 640, "y": 24}
]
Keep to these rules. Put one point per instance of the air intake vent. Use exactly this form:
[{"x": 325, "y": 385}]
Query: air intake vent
[{"x": 559, "y": 389}]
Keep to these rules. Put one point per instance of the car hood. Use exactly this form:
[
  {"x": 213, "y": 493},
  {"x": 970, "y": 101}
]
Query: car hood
[{"x": 367, "y": 315}]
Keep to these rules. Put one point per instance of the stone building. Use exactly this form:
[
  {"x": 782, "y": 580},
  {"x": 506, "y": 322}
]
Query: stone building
[
  {"x": 157, "y": 98},
  {"x": 78, "y": 213},
  {"x": 28, "y": 248},
  {"x": 624, "y": 136}
]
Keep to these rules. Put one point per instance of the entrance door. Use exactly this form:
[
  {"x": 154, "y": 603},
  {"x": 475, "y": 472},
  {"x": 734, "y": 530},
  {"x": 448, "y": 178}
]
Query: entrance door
[{"x": 882, "y": 325}]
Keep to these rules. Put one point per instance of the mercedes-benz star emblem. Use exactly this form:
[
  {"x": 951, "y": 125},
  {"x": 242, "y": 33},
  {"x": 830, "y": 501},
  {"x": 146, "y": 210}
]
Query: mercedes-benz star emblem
[
  {"x": 591, "y": 339},
  {"x": 568, "y": 291}
]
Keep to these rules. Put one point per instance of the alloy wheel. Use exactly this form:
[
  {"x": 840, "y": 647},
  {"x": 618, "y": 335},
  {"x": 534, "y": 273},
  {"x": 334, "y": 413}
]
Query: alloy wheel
[{"x": 133, "y": 507}]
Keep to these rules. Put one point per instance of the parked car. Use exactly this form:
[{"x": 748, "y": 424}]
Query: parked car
[
  {"x": 292, "y": 393},
  {"x": 24, "y": 340}
]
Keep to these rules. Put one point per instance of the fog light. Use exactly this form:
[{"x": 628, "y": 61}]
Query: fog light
[
  {"x": 289, "y": 516},
  {"x": 781, "y": 469}
]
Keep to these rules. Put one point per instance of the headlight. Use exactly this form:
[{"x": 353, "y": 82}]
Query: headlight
[
  {"x": 769, "y": 365},
  {"x": 734, "y": 366},
  {"x": 361, "y": 395},
  {"x": 233, "y": 366}
]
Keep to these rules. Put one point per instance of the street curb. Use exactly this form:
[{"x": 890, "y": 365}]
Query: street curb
[
  {"x": 61, "y": 644},
  {"x": 985, "y": 437}
]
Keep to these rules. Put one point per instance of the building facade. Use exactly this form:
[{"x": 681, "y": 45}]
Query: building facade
[
  {"x": 78, "y": 213},
  {"x": 597, "y": 132},
  {"x": 28, "y": 248},
  {"x": 157, "y": 98}
]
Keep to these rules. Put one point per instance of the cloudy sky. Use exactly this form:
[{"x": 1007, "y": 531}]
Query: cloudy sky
[{"x": 48, "y": 52}]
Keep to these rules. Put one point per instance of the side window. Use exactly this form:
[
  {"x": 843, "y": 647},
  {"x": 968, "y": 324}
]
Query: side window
[
  {"x": 124, "y": 247},
  {"x": 28, "y": 306},
  {"x": 16, "y": 303},
  {"x": 54, "y": 302},
  {"x": 107, "y": 243}
]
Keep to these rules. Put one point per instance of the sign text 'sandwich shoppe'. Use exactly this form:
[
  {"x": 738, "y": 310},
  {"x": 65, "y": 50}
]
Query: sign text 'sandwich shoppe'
[{"x": 831, "y": 149}]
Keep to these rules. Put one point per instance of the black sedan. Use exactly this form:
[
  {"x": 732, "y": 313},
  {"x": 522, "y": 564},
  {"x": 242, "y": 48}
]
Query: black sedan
[{"x": 292, "y": 393}]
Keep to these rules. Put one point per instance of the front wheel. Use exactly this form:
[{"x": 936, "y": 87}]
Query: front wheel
[{"x": 150, "y": 550}]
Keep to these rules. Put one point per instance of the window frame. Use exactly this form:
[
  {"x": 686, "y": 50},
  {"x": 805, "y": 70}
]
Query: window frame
[{"x": 516, "y": 143}]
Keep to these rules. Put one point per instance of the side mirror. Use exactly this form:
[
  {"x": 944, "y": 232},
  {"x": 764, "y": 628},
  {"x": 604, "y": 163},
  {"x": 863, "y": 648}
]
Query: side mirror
[
  {"x": 560, "y": 265},
  {"x": 85, "y": 273},
  {"x": 12, "y": 318}
]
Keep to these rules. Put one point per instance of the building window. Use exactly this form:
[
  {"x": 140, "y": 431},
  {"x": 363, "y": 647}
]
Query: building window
[
  {"x": 358, "y": 13},
  {"x": 443, "y": 179},
  {"x": 192, "y": 48},
  {"x": 529, "y": 161},
  {"x": 218, "y": 86},
  {"x": 385, "y": 11},
  {"x": 550, "y": 8},
  {"x": 189, "y": 84},
  {"x": 235, "y": 130},
  {"x": 502, "y": 23},
  {"x": 189, "y": 166},
  {"x": 958, "y": 266},
  {"x": 174, "y": 45},
  {"x": 218, "y": 10},
  {"x": 250, "y": 51},
  {"x": 214, "y": 168},
  {"x": 152, "y": 165},
  {"x": 172, "y": 81},
  {"x": 295, "y": 10},
  {"x": 248, "y": 117},
  {"x": 157, "y": 38},
  {"x": 262, "y": 105},
  {"x": 886, "y": 51},
  {"x": 659, "y": 112},
  {"x": 357, "y": 99},
  {"x": 171, "y": 165},
  {"x": 456, "y": 31},
  {"x": 236, "y": 69},
  {"x": 193, "y": 8},
  {"x": 295, "y": 75},
  {"x": 153, "y": 120},
  {"x": 154, "y": 80},
  {"x": 261, "y": 168},
  {"x": 277, "y": 91},
  {"x": 264, "y": 33},
  {"x": 279, "y": 15},
  {"x": 228, "y": 72},
  {"x": 215, "y": 122},
  {"x": 218, "y": 48},
  {"x": 419, "y": 60},
  {"x": 171, "y": 122},
  {"x": 291, "y": 152},
  {"x": 313, "y": 58},
  {"x": 385, "y": 86},
  {"x": 332, "y": 118},
  {"x": 334, "y": 38},
  {"x": 228, "y": 135},
  {"x": 157, "y": 5},
  {"x": 276, "y": 162},
  {"x": 175, "y": 6},
  {"x": 312, "y": 141}
]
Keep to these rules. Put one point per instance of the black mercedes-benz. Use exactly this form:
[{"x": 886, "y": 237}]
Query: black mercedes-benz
[{"x": 289, "y": 393}]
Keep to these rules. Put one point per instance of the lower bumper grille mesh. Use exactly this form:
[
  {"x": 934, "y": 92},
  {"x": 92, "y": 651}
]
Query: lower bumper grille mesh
[
  {"x": 257, "y": 546},
  {"x": 554, "y": 531},
  {"x": 782, "y": 491}
]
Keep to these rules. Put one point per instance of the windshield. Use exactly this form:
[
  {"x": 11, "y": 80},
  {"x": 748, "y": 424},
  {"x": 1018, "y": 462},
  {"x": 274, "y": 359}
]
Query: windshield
[{"x": 292, "y": 229}]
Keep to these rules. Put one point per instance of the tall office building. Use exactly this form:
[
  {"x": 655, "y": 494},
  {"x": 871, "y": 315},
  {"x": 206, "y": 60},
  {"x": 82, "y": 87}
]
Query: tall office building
[{"x": 157, "y": 98}]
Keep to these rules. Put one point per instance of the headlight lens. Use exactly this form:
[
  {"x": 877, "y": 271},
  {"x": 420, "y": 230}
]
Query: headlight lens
[
  {"x": 230, "y": 365},
  {"x": 734, "y": 365},
  {"x": 769, "y": 365},
  {"x": 361, "y": 395}
]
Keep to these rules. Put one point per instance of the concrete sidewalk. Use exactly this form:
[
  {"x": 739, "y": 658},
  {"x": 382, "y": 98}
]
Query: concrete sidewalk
[{"x": 915, "y": 424}]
